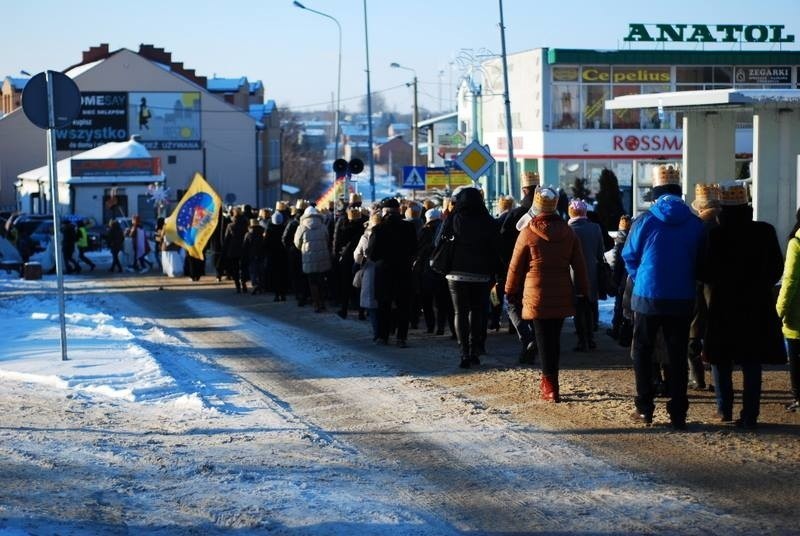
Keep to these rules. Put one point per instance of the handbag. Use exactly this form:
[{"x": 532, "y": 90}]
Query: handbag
[
  {"x": 605, "y": 281},
  {"x": 358, "y": 277},
  {"x": 442, "y": 256}
]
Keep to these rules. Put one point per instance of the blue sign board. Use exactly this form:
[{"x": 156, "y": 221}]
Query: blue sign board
[{"x": 414, "y": 177}]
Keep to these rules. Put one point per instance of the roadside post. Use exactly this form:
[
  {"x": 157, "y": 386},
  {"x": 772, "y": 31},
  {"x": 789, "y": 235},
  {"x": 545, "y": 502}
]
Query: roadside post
[{"x": 52, "y": 100}]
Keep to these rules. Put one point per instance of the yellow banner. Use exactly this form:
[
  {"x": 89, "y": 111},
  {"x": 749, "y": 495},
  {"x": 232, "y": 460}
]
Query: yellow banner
[
  {"x": 438, "y": 179},
  {"x": 195, "y": 218}
]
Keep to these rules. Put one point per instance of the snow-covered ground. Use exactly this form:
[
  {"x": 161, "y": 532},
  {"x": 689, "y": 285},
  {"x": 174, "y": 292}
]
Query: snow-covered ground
[{"x": 146, "y": 428}]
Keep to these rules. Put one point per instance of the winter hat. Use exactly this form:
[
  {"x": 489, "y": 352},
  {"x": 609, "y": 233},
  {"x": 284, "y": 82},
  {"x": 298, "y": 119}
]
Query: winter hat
[
  {"x": 733, "y": 193},
  {"x": 530, "y": 179},
  {"x": 577, "y": 208},
  {"x": 663, "y": 175},
  {"x": 354, "y": 214},
  {"x": 706, "y": 196},
  {"x": 544, "y": 200},
  {"x": 624, "y": 223},
  {"x": 433, "y": 214},
  {"x": 390, "y": 203},
  {"x": 309, "y": 211},
  {"x": 277, "y": 219}
]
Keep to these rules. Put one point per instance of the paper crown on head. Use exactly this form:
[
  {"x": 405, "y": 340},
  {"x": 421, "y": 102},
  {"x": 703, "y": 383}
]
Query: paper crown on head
[
  {"x": 530, "y": 178},
  {"x": 663, "y": 175},
  {"x": 733, "y": 193},
  {"x": 354, "y": 198},
  {"x": 301, "y": 204},
  {"x": 706, "y": 196},
  {"x": 624, "y": 223},
  {"x": 281, "y": 205},
  {"x": 577, "y": 208},
  {"x": 254, "y": 222},
  {"x": 545, "y": 200}
]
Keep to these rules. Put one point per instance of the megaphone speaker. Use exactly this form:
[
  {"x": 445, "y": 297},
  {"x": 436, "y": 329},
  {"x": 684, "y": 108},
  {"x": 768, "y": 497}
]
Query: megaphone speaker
[
  {"x": 356, "y": 166},
  {"x": 340, "y": 166}
]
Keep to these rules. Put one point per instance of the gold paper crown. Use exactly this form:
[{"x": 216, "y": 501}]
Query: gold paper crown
[
  {"x": 301, "y": 204},
  {"x": 663, "y": 175},
  {"x": 355, "y": 198},
  {"x": 530, "y": 178},
  {"x": 705, "y": 196},
  {"x": 733, "y": 194},
  {"x": 545, "y": 200},
  {"x": 280, "y": 205}
]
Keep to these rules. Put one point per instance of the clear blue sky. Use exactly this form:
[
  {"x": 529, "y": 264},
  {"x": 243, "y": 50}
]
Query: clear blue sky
[{"x": 294, "y": 52}]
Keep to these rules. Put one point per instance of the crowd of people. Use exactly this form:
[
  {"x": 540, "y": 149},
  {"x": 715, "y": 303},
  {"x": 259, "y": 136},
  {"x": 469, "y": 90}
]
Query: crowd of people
[{"x": 695, "y": 286}]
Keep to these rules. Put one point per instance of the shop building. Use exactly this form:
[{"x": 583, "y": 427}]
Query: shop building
[
  {"x": 562, "y": 129},
  {"x": 188, "y": 123}
]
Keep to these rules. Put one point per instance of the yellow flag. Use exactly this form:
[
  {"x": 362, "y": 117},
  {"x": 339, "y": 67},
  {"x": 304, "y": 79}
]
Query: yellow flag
[{"x": 193, "y": 221}]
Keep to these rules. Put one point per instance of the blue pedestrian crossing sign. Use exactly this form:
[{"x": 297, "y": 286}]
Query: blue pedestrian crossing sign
[{"x": 414, "y": 177}]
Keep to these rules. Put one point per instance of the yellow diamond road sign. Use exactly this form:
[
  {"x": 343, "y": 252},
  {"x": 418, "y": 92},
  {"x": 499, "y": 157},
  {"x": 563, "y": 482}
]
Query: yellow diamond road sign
[{"x": 475, "y": 160}]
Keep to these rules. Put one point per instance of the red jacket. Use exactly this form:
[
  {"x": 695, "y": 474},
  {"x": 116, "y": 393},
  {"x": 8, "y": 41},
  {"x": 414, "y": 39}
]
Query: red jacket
[{"x": 540, "y": 269}]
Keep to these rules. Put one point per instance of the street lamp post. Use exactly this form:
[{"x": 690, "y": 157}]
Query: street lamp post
[
  {"x": 338, "y": 77},
  {"x": 369, "y": 111},
  {"x": 415, "y": 117}
]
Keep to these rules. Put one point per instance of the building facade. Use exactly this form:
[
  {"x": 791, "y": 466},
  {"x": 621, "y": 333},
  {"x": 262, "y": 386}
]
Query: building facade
[
  {"x": 562, "y": 129},
  {"x": 171, "y": 111}
]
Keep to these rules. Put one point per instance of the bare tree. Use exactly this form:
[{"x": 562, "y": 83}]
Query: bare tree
[{"x": 302, "y": 166}]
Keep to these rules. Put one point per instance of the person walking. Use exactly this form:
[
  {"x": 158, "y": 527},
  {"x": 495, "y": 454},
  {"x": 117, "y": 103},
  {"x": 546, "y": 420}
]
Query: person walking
[
  {"x": 662, "y": 256},
  {"x": 591, "y": 238},
  {"x": 539, "y": 281},
  {"x": 788, "y": 308},
  {"x": 83, "y": 244},
  {"x": 475, "y": 259},
  {"x": 294, "y": 258},
  {"x": 277, "y": 267},
  {"x": 391, "y": 247},
  {"x": 508, "y": 238},
  {"x": 232, "y": 248},
  {"x": 311, "y": 239},
  {"x": 621, "y": 328},
  {"x": 437, "y": 307},
  {"x": 367, "y": 298},
  {"x": 744, "y": 263},
  {"x": 115, "y": 240},
  {"x": 140, "y": 244},
  {"x": 69, "y": 236},
  {"x": 348, "y": 233},
  {"x": 707, "y": 206},
  {"x": 254, "y": 255}
]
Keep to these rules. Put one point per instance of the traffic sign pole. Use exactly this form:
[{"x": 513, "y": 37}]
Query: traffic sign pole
[{"x": 52, "y": 165}]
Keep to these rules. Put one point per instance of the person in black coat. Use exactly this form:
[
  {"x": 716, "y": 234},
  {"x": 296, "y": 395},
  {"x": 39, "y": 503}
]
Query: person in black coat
[
  {"x": 437, "y": 308},
  {"x": 69, "y": 237},
  {"x": 294, "y": 257},
  {"x": 116, "y": 241},
  {"x": 508, "y": 237},
  {"x": 391, "y": 247},
  {"x": 475, "y": 260},
  {"x": 621, "y": 328},
  {"x": 277, "y": 260},
  {"x": 743, "y": 263},
  {"x": 233, "y": 252},
  {"x": 348, "y": 233},
  {"x": 254, "y": 254}
]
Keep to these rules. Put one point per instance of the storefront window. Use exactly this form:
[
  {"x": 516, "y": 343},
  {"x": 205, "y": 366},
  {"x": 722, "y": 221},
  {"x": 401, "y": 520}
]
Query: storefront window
[
  {"x": 626, "y": 118},
  {"x": 565, "y": 106},
  {"x": 594, "y": 113},
  {"x": 650, "y": 117},
  {"x": 568, "y": 171}
]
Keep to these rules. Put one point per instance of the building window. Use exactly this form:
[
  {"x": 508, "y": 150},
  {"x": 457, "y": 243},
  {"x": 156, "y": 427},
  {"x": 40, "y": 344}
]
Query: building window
[
  {"x": 625, "y": 118},
  {"x": 595, "y": 114},
  {"x": 172, "y": 159},
  {"x": 565, "y": 106}
]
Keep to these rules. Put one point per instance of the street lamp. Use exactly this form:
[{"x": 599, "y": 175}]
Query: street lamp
[
  {"x": 415, "y": 118},
  {"x": 338, "y": 78}
]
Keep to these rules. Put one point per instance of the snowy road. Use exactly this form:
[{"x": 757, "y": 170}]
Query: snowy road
[
  {"x": 452, "y": 461},
  {"x": 265, "y": 426}
]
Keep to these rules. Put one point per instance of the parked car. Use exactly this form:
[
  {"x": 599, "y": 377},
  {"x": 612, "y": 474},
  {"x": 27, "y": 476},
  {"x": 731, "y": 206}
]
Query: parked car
[{"x": 32, "y": 228}]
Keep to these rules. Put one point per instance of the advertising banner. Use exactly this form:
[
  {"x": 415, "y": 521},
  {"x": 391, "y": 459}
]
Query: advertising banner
[
  {"x": 763, "y": 75},
  {"x": 103, "y": 118},
  {"x": 165, "y": 121},
  {"x": 115, "y": 167}
]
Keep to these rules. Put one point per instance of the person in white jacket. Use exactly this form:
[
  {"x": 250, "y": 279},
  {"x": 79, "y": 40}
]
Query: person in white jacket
[{"x": 311, "y": 238}]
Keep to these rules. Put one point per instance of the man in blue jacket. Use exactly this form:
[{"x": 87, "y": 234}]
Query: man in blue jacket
[{"x": 662, "y": 255}]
